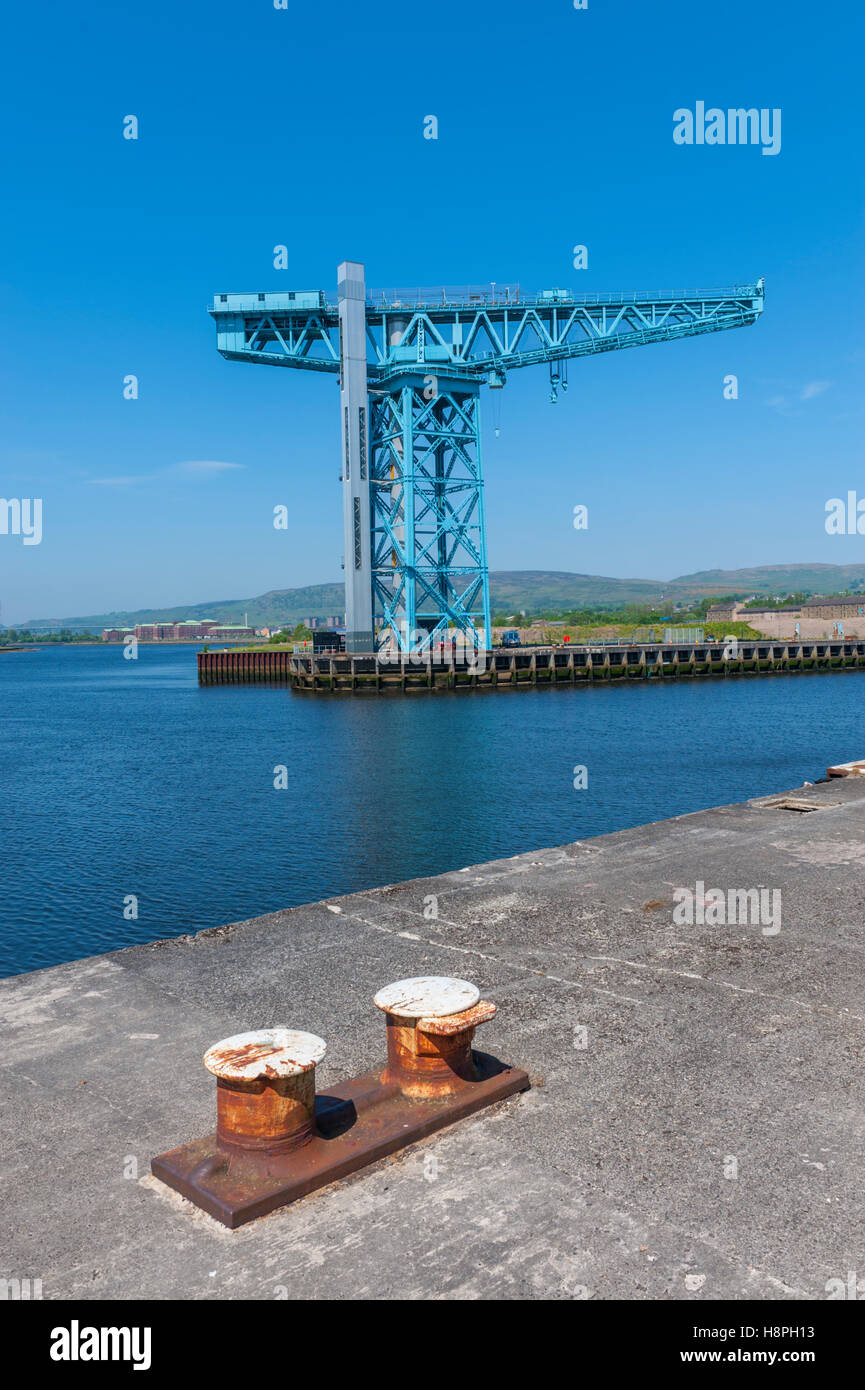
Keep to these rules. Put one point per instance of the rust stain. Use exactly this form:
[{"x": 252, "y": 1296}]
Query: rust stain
[
  {"x": 233, "y": 1058},
  {"x": 457, "y": 1023},
  {"x": 432, "y": 1058},
  {"x": 269, "y": 1055}
]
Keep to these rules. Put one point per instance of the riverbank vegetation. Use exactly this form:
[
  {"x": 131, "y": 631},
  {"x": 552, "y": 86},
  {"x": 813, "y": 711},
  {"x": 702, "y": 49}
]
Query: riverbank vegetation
[{"x": 13, "y": 637}]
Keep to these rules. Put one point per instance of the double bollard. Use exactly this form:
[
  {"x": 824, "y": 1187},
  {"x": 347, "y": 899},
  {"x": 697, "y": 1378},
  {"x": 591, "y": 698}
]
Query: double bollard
[{"x": 277, "y": 1140}]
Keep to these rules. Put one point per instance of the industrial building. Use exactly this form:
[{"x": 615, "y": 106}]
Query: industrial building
[
  {"x": 189, "y": 630},
  {"x": 823, "y": 616}
]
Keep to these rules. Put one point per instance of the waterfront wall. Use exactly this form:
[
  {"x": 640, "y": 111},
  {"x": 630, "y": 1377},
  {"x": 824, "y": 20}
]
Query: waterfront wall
[
  {"x": 267, "y": 666},
  {"x": 507, "y": 670}
]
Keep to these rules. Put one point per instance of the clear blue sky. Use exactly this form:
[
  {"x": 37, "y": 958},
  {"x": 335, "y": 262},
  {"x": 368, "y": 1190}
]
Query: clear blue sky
[{"x": 304, "y": 127}]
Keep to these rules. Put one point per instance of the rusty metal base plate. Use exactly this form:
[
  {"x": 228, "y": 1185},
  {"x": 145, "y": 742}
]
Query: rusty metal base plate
[{"x": 358, "y": 1122}]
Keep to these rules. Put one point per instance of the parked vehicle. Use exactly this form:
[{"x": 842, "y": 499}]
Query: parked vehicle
[{"x": 511, "y": 638}]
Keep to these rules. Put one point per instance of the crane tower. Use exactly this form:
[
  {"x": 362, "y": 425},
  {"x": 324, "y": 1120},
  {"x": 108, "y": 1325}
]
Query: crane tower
[{"x": 410, "y": 365}]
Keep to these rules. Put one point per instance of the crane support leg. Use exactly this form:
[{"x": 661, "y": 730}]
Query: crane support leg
[
  {"x": 429, "y": 561},
  {"x": 359, "y": 635}
]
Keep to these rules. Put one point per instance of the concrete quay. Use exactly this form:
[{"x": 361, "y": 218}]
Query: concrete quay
[
  {"x": 525, "y": 668},
  {"x": 695, "y": 1128}
]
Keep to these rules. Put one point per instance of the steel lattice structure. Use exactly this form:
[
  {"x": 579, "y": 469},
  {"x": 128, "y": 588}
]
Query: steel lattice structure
[
  {"x": 428, "y": 550},
  {"x": 410, "y": 365}
]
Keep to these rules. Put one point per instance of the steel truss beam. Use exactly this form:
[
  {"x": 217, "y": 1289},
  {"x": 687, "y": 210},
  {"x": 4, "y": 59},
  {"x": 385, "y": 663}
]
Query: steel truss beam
[
  {"x": 477, "y": 341},
  {"x": 429, "y": 562}
]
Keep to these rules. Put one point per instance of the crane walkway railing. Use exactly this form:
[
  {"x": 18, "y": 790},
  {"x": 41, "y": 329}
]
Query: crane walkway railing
[{"x": 505, "y": 296}]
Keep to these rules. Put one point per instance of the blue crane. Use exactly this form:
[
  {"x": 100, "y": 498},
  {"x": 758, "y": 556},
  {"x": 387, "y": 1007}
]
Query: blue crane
[{"x": 410, "y": 365}]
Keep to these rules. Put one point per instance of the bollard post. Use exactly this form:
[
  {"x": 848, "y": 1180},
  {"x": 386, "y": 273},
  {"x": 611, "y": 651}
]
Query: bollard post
[
  {"x": 265, "y": 1089},
  {"x": 431, "y": 1021}
]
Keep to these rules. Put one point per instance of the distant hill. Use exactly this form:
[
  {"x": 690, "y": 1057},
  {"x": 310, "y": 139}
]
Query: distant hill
[
  {"x": 277, "y": 608},
  {"x": 510, "y": 591},
  {"x": 534, "y": 590},
  {"x": 775, "y": 579}
]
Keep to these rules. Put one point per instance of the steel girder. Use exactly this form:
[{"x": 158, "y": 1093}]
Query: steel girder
[
  {"x": 476, "y": 341},
  {"x": 429, "y": 561}
]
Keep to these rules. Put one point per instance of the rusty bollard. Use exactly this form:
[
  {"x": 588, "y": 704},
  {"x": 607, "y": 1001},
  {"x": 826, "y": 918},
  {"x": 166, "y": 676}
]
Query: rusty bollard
[
  {"x": 431, "y": 1021},
  {"x": 265, "y": 1089},
  {"x": 276, "y": 1141}
]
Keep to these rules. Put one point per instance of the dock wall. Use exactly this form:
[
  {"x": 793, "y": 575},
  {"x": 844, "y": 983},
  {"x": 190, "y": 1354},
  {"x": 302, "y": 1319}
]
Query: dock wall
[{"x": 523, "y": 668}]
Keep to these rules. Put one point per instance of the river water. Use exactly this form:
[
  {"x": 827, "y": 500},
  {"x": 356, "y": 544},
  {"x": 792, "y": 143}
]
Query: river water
[{"x": 124, "y": 780}]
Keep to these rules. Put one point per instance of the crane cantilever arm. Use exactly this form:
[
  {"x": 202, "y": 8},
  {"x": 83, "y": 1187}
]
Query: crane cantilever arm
[
  {"x": 472, "y": 340},
  {"x": 500, "y": 338},
  {"x": 637, "y": 337}
]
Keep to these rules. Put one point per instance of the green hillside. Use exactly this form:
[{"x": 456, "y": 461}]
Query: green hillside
[
  {"x": 774, "y": 579},
  {"x": 536, "y": 590},
  {"x": 511, "y": 591},
  {"x": 279, "y": 607}
]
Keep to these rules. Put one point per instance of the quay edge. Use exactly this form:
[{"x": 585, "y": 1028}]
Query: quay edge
[
  {"x": 525, "y": 668},
  {"x": 695, "y": 1120}
]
